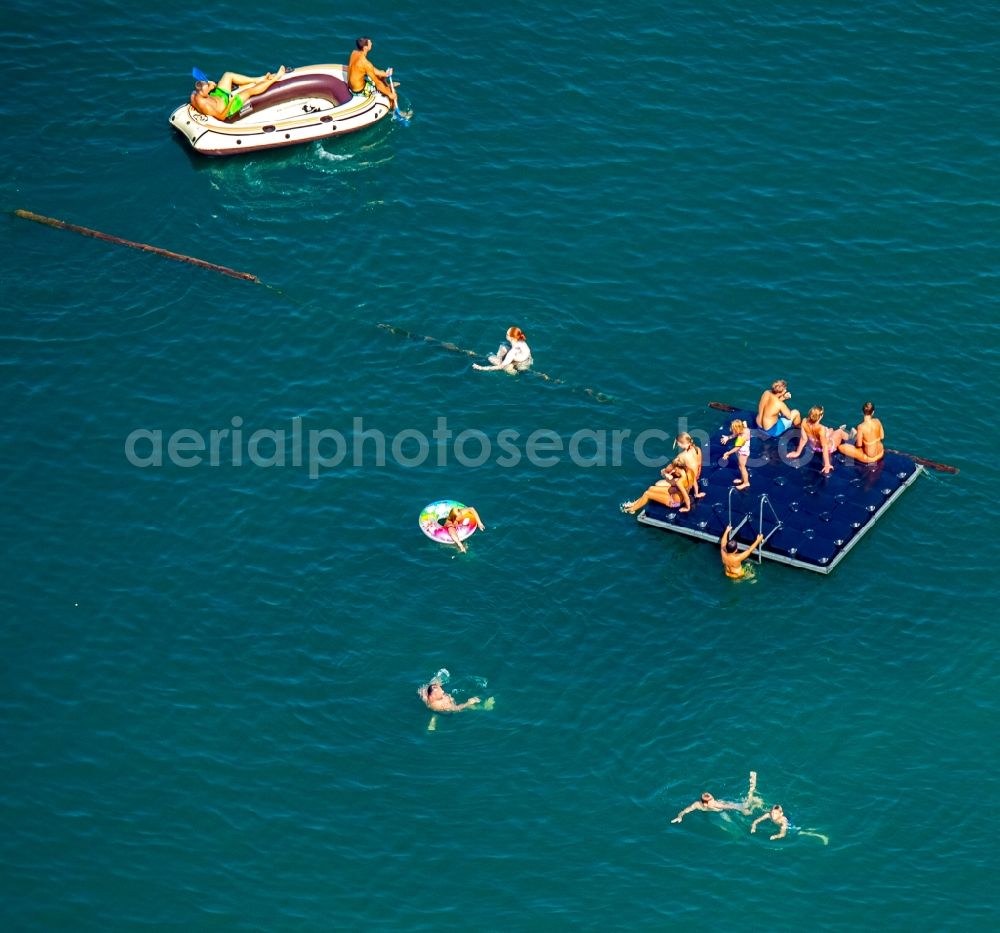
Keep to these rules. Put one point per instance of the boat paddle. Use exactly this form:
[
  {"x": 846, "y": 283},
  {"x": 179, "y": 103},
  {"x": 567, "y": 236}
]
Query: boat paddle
[{"x": 397, "y": 114}]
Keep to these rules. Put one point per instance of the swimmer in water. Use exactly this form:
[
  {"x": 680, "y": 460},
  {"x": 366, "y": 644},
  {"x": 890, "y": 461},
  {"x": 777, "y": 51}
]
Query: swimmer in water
[
  {"x": 710, "y": 804},
  {"x": 777, "y": 816},
  {"x": 458, "y": 517},
  {"x": 732, "y": 558},
  {"x": 434, "y": 695},
  {"x": 513, "y": 359},
  {"x": 740, "y": 434}
]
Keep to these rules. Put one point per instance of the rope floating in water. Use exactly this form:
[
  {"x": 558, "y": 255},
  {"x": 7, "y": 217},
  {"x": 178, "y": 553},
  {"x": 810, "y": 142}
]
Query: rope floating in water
[
  {"x": 145, "y": 247},
  {"x": 400, "y": 332},
  {"x": 248, "y": 277}
]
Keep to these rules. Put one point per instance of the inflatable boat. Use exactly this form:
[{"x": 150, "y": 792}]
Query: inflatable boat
[{"x": 307, "y": 103}]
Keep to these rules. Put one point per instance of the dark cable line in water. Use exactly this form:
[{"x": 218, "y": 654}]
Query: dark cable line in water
[
  {"x": 144, "y": 247},
  {"x": 596, "y": 395},
  {"x": 249, "y": 277}
]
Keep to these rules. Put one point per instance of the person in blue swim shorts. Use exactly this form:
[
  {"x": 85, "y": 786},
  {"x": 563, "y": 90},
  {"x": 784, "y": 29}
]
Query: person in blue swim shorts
[{"x": 774, "y": 417}]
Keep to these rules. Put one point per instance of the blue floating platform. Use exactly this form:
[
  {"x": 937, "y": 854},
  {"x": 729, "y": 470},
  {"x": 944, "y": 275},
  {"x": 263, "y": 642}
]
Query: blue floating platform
[{"x": 808, "y": 519}]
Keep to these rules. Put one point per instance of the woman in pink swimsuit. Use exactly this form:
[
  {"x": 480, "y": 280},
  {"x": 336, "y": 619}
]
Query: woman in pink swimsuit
[{"x": 821, "y": 439}]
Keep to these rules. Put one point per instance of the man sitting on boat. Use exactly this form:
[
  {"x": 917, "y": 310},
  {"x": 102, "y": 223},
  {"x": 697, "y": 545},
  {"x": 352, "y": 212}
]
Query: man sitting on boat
[
  {"x": 363, "y": 77},
  {"x": 221, "y": 100}
]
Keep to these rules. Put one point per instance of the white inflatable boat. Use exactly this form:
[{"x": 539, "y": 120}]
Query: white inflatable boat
[{"x": 307, "y": 103}]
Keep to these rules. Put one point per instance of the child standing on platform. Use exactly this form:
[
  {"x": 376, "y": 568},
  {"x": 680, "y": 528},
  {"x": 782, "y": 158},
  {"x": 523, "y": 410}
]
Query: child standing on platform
[{"x": 740, "y": 435}]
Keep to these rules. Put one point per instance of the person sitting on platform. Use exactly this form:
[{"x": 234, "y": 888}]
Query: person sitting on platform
[
  {"x": 690, "y": 459},
  {"x": 363, "y": 77},
  {"x": 740, "y": 435},
  {"x": 867, "y": 437},
  {"x": 515, "y": 358},
  {"x": 774, "y": 417},
  {"x": 822, "y": 440},
  {"x": 732, "y": 559},
  {"x": 227, "y": 96},
  {"x": 671, "y": 491}
]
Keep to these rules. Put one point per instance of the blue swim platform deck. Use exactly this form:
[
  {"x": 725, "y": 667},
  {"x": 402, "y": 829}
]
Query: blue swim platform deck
[{"x": 809, "y": 520}]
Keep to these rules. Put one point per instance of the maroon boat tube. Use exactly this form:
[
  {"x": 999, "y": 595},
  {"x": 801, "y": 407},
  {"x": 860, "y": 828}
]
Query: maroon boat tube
[{"x": 294, "y": 85}]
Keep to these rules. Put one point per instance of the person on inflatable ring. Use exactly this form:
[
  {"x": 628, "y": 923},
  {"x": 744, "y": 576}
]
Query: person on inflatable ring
[{"x": 456, "y": 518}]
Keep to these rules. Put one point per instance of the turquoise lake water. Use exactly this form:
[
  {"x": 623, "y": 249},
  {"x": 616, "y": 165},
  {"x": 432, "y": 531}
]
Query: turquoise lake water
[{"x": 208, "y": 689}]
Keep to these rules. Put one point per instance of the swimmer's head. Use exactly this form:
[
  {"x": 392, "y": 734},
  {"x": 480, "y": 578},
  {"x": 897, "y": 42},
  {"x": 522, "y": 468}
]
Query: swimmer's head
[
  {"x": 779, "y": 386},
  {"x": 815, "y": 414},
  {"x": 684, "y": 440},
  {"x": 776, "y": 810},
  {"x": 515, "y": 333},
  {"x": 737, "y": 426},
  {"x": 454, "y": 513},
  {"x": 868, "y": 408},
  {"x": 731, "y": 546},
  {"x": 707, "y": 797},
  {"x": 362, "y": 43}
]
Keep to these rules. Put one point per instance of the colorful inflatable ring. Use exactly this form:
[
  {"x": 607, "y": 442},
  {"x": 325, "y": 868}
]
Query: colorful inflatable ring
[{"x": 435, "y": 513}]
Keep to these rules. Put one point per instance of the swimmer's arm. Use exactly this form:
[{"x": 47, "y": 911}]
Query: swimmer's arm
[
  {"x": 725, "y": 539},
  {"x": 753, "y": 547},
  {"x": 781, "y": 832},
  {"x": 476, "y": 518},
  {"x": 680, "y": 816},
  {"x": 756, "y": 822},
  {"x": 471, "y": 702}
]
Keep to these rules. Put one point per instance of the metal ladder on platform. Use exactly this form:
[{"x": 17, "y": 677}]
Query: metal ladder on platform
[{"x": 764, "y": 500}]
